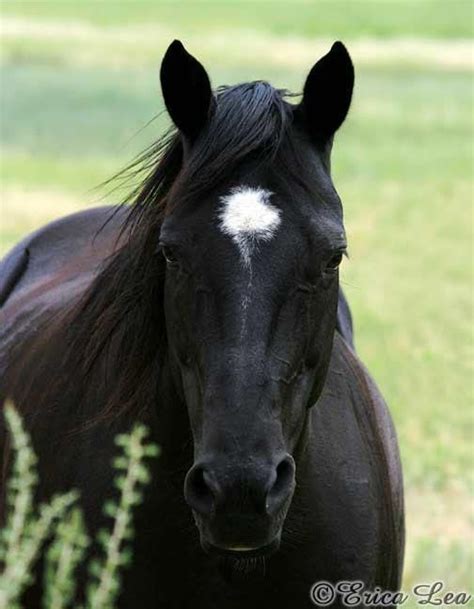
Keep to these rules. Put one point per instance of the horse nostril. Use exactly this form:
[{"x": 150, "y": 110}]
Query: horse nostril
[
  {"x": 200, "y": 490},
  {"x": 283, "y": 486}
]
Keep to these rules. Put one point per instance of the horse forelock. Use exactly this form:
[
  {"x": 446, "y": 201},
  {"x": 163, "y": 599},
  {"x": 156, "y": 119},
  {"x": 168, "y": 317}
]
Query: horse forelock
[{"x": 249, "y": 120}]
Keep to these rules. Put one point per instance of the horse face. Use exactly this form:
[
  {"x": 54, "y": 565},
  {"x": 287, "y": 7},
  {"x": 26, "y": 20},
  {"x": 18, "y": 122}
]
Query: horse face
[{"x": 250, "y": 303}]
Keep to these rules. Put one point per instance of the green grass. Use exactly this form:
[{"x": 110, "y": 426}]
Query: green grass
[
  {"x": 343, "y": 18},
  {"x": 402, "y": 164}
]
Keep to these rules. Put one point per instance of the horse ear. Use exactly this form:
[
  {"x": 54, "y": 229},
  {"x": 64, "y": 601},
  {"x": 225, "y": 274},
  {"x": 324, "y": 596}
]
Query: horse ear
[
  {"x": 327, "y": 94},
  {"x": 186, "y": 90}
]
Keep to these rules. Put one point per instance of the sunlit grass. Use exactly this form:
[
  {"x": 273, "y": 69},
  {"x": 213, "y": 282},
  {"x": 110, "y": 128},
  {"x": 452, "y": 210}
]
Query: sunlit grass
[{"x": 309, "y": 18}]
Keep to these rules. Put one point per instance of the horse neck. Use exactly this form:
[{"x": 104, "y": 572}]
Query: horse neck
[{"x": 170, "y": 426}]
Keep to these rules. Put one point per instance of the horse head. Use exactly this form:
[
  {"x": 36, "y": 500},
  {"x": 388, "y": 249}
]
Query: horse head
[{"x": 253, "y": 237}]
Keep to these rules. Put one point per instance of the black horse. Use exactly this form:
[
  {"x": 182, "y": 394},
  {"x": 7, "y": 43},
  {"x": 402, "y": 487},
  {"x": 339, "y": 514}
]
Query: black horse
[{"x": 211, "y": 309}]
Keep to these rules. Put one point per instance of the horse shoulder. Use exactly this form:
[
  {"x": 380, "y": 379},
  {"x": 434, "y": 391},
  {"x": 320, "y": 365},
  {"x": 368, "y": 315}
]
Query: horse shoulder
[
  {"x": 354, "y": 402},
  {"x": 74, "y": 243},
  {"x": 51, "y": 267},
  {"x": 371, "y": 409}
]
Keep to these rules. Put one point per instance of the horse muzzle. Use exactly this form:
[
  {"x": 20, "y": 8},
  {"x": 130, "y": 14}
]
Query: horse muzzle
[{"x": 240, "y": 510}]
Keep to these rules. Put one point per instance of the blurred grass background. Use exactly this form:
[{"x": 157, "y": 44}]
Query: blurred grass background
[{"x": 79, "y": 82}]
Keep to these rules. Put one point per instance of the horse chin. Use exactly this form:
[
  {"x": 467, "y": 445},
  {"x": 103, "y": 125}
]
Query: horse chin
[{"x": 241, "y": 552}]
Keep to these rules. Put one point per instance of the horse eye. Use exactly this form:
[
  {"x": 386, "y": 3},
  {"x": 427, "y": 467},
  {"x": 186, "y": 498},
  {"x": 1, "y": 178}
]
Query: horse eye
[
  {"x": 334, "y": 262},
  {"x": 169, "y": 255}
]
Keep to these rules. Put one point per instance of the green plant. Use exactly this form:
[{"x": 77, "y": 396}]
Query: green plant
[
  {"x": 104, "y": 588},
  {"x": 27, "y": 527},
  {"x": 25, "y": 532},
  {"x": 64, "y": 554}
]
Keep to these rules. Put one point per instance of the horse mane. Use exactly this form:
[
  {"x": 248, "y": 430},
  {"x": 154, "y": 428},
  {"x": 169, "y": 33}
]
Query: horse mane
[{"x": 117, "y": 328}]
